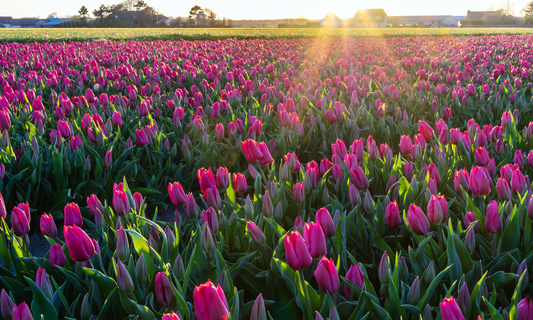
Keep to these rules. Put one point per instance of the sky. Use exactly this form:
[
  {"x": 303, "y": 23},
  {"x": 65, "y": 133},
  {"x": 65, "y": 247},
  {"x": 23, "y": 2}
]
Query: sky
[{"x": 262, "y": 9}]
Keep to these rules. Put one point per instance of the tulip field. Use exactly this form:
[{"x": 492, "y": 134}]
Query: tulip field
[{"x": 291, "y": 178}]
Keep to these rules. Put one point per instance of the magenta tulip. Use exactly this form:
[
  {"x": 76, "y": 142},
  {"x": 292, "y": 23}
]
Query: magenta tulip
[
  {"x": 493, "y": 221},
  {"x": 416, "y": 219},
  {"x": 437, "y": 209},
  {"x": 392, "y": 215},
  {"x": 210, "y": 302},
  {"x": 326, "y": 275},
  {"x": 315, "y": 240},
  {"x": 480, "y": 181},
  {"x": 72, "y": 215},
  {"x": 163, "y": 290},
  {"x": 176, "y": 194},
  {"x": 79, "y": 245},
  {"x": 449, "y": 310},
  {"x": 298, "y": 256},
  {"x": 48, "y": 225},
  {"x": 356, "y": 276},
  {"x": 121, "y": 203}
]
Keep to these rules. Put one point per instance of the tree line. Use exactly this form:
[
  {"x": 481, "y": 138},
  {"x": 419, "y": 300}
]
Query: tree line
[{"x": 137, "y": 13}]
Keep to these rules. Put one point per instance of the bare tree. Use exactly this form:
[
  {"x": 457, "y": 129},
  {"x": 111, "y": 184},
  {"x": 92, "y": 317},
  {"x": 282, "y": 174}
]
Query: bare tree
[
  {"x": 507, "y": 8},
  {"x": 528, "y": 12}
]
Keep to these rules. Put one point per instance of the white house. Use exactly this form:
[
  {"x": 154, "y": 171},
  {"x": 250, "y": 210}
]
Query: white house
[{"x": 331, "y": 21}]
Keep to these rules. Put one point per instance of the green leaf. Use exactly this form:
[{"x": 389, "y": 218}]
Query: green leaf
[
  {"x": 431, "y": 289},
  {"x": 40, "y": 304}
]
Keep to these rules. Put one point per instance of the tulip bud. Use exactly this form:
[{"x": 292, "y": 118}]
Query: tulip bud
[
  {"x": 20, "y": 221},
  {"x": 426, "y": 314},
  {"x": 178, "y": 268},
  {"x": 22, "y": 312},
  {"x": 258, "y": 309},
  {"x": 163, "y": 290},
  {"x": 210, "y": 302},
  {"x": 356, "y": 276},
  {"x": 170, "y": 316},
  {"x": 383, "y": 270},
  {"x": 463, "y": 299},
  {"x": 323, "y": 217},
  {"x": 207, "y": 242},
  {"x": 470, "y": 240},
  {"x": 125, "y": 283},
  {"x": 414, "y": 292},
  {"x": 296, "y": 251},
  {"x": 268, "y": 208},
  {"x": 258, "y": 237},
  {"x": 278, "y": 214},
  {"x": 141, "y": 270},
  {"x": 6, "y": 305},
  {"x": 154, "y": 239},
  {"x": 392, "y": 215},
  {"x": 429, "y": 274},
  {"x": 354, "y": 195},
  {"x": 493, "y": 221},
  {"x": 56, "y": 256},
  {"x": 79, "y": 244},
  {"x": 222, "y": 178},
  {"x": 43, "y": 282},
  {"x": 417, "y": 221},
  {"x": 315, "y": 240},
  {"x": 449, "y": 310},
  {"x": 123, "y": 245},
  {"x": 522, "y": 269},
  {"x": 191, "y": 208},
  {"x": 437, "y": 209},
  {"x": 327, "y": 276},
  {"x": 48, "y": 225},
  {"x": 121, "y": 202},
  {"x": 318, "y": 316},
  {"x": 72, "y": 215},
  {"x": 108, "y": 159},
  {"x": 368, "y": 202},
  {"x": 298, "y": 192}
]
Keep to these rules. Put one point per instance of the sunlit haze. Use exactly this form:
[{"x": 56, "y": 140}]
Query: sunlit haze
[{"x": 275, "y": 9}]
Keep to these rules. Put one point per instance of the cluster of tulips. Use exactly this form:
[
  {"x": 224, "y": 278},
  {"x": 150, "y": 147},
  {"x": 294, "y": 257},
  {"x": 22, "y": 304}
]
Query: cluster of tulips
[{"x": 380, "y": 178}]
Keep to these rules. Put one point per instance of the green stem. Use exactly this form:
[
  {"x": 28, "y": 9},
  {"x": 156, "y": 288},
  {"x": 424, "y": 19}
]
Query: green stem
[
  {"x": 439, "y": 236},
  {"x": 333, "y": 247},
  {"x": 308, "y": 312}
]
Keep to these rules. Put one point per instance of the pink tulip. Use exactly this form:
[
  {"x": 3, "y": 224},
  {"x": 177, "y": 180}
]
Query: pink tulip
[
  {"x": 79, "y": 245},
  {"x": 210, "y": 302},
  {"x": 392, "y": 215},
  {"x": 438, "y": 209},
  {"x": 296, "y": 252},
  {"x": 406, "y": 146},
  {"x": 256, "y": 234},
  {"x": 163, "y": 290},
  {"x": 518, "y": 181},
  {"x": 176, "y": 194},
  {"x": 315, "y": 240},
  {"x": 72, "y": 215},
  {"x": 359, "y": 178},
  {"x": 503, "y": 190},
  {"x": 326, "y": 222},
  {"x": 482, "y": 157},
  {"x": 239, "y": 183},
  {"x": 56, "y": 256},
  {"x": 170, "y": 316},
  {"x": 5, "y": 120},
  {"x": 425, "y": 129},
  {"x": 206, "y": 179},
  {"x": 356, "y": 276},
  {"x": 222, "y": 178},
  {"x": 480, "y": 181},
  {"x": 493, "y": 221},
  {"x": 48, "y": 226},
  {"x": 20, "y": 221},
  {"x": 121, "y": 202},
  {"x": 416, "y": 219},
  {"x": 326, "y": 276},
  {"x": 141, "y": 138},
  {"x": 298, "y": 193},
  {"x": 22, "y": 312},
  {"x": 449, "y": 310},
  {"x": 3, "y": 212},
  {"x": 461, "y": 181},
  {"x": 525, "y": 309}
]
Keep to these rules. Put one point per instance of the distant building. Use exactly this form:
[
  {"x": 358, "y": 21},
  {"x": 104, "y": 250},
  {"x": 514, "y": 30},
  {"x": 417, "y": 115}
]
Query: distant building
[
  {"x": 423, "y": 21},
  {"x": 56, "y": 23},
  {"x": 331, "y": 20},
  {"x": 6, "y": 22},
  {"x": 370, "y": 18},
  {"x": 483, "y": 18}
]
